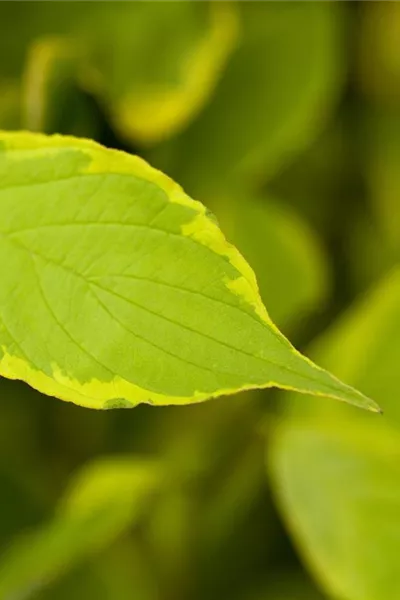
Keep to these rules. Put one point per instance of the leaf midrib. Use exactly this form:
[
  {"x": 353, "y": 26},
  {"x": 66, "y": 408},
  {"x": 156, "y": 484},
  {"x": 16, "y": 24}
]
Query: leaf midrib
[{"x": 262, "y": 359}]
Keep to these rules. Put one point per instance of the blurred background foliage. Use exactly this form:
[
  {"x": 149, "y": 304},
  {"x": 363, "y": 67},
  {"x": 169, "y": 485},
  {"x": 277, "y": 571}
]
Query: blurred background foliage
[{"x": 284, "y": 119}]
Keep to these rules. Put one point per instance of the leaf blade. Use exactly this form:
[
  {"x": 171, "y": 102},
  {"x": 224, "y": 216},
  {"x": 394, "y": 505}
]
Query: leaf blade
[{"x": 109, "y": 231}]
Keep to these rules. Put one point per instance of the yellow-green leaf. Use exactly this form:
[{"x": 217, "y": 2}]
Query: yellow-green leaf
[{"x": 117, "y": 288}]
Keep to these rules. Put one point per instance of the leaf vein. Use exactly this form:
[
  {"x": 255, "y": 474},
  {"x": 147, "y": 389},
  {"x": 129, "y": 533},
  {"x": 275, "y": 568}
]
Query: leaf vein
[{"x": 60, "y": 325}]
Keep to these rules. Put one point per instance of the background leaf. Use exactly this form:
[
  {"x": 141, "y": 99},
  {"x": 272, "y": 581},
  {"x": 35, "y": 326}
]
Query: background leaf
[
  {"x": 165, "y": 65},
  {"x": 105, "y": 499},
  {"x": 261, "y": 109},
  {"x": 335, "y": 472}
]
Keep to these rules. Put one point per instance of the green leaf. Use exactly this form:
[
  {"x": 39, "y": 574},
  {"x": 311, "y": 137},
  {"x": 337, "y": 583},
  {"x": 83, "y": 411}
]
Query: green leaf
[
  {"x": 336, "y": 473},
  {"x": 339, "y": 489},
  {"x": 271, "y": 101},
  {"x": 105, "y": 498},
  {"x": 155, "y": 65},
  {"x": 118, "y": 289}
]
